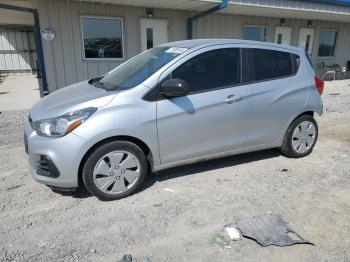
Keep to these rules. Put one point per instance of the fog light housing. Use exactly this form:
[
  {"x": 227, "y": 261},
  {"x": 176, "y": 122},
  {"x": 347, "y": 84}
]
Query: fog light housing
[{"x": 45, "y": 167}]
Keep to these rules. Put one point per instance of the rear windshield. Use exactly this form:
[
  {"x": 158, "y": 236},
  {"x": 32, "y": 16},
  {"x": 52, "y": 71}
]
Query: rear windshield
[{"x": 139, "y": 68}]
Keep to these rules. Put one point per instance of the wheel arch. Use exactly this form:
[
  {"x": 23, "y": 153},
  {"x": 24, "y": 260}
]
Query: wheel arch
[
  {"x": 309, "y": 112},
  {"x": 144, "y": 147},
  {"x": 286, "y": 147}
]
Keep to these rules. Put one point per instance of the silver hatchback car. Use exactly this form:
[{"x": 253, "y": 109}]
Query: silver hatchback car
[{"x": 174, "y": 104}]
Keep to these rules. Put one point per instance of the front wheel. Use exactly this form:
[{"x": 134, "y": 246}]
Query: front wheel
[
  {"x": 301, "y": 137},
  {"x": 115, "y": 170}
]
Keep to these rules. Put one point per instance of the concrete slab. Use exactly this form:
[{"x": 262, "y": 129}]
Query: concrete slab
[{"x": 19, "y": 92}]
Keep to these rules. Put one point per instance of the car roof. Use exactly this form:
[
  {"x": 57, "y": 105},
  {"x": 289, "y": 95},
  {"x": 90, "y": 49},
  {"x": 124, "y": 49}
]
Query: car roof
[{"x": 209, "y": 42}]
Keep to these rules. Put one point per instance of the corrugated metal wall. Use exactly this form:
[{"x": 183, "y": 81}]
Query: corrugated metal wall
[
  {"x": 17, "y": 50},
  {"x": 64, "y": 55}
]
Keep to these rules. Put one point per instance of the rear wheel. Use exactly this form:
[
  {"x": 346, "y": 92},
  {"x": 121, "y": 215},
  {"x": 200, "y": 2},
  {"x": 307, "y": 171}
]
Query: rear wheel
[
  {"x": 115, "y": 170},
  {"x": 301, "y": 137}
]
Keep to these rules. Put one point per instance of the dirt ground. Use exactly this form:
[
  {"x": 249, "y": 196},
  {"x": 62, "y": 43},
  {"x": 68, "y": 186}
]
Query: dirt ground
[{"x": 312, "y": 194}]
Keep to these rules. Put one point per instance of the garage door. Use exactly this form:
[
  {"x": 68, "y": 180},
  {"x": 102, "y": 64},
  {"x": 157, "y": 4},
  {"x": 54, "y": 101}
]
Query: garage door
[{"x": 17, "y": 51}]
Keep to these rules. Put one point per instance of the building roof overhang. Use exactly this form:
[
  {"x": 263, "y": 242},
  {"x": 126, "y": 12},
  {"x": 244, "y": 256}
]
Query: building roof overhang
[
  {"x": 327, "y": 10},
  {"x": 335, "y": 10}
]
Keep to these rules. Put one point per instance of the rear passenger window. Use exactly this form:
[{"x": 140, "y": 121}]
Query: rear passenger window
[
  {"x": 210, "y": 70},
  {"x": 269, "y": 64}
]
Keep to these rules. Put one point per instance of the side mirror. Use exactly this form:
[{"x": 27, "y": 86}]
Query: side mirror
[{"x": 174, "y": 88}]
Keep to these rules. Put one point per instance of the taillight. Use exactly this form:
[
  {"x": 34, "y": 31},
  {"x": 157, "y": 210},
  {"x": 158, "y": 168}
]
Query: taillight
[{"x": 319, "y": 84}]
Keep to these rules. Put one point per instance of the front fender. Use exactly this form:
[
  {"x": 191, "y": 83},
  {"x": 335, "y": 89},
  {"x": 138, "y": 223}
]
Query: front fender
[{"x": 133, "y": 120}]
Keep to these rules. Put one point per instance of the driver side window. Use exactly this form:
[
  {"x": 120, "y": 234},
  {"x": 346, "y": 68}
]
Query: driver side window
[{"x": 211, "y": 70}]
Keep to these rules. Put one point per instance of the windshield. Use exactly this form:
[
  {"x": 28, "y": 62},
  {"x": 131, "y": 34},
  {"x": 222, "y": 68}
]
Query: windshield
[{"x": 139, "y": 68}]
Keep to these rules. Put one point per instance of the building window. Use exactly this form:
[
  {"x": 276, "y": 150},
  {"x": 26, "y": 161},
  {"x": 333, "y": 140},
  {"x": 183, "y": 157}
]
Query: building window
[
  {"x": 149, "y": 36},
  {"x": 256, "y": 33},
  {"x": 102, "y": 37},
  {"x": 307, "y": 43},
  {"x": 328, "y": 40},
  {"x": 279, "y": 39}
]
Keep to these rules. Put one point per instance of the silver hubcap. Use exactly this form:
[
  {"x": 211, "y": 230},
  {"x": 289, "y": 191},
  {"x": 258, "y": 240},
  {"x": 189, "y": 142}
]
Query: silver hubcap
[
  {"x": 116, "y": 172},
  {"x": 303, "y": 137}
]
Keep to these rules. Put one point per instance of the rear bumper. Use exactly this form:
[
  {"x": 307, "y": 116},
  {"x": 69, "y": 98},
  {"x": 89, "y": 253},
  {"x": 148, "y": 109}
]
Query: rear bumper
[{"x": 54, "y": 161}]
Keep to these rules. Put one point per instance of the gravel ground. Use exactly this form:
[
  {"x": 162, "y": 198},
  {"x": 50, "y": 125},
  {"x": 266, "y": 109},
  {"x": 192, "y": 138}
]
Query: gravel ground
[
  {"x": 11, "y": 127},
  {"x": 312, "y": 194}
]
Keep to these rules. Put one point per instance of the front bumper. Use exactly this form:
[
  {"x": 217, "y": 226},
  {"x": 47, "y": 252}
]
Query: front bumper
[{"x": 63, "y": 154}]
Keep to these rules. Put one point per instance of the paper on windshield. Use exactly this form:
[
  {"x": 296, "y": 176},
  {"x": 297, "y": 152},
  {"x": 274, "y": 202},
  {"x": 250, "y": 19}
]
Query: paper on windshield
[{"x": 176, "y": 50}]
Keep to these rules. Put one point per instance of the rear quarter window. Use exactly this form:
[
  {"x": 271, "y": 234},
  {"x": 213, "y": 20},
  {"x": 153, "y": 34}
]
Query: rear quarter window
[
  {"x": 296, "y": 62},
  {"x": 270, "y": 64}
]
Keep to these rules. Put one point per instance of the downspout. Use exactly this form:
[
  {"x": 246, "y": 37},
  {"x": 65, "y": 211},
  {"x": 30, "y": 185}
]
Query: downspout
[
  {"x": 222, "y": 5},
  {"x": 39, "y": 49}
]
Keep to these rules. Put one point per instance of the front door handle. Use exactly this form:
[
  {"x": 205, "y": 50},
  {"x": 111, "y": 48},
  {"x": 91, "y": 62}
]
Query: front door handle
[{"x": 233, "y": 98}]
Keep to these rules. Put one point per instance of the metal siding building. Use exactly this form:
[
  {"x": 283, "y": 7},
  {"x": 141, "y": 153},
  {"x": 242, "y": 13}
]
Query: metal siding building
[
  {"x": 17, "y": 45},
  {"x": 17, "y": 50},
  {"x": 65, "y": 53},
  {"x": 64, "y": 56}
]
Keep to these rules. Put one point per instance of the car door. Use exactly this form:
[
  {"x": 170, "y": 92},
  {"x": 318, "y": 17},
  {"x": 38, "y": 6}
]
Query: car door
[
  {"x": 277, "y": 93},
  {"x": 212, "y": 118}
]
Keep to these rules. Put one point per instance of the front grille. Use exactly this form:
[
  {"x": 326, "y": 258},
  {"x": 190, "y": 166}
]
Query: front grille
[{"x": 45, "y": 167}]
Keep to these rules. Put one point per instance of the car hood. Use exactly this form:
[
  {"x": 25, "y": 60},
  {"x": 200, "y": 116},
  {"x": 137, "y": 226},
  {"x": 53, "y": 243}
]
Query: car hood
[{"x": 70, "y": 98}]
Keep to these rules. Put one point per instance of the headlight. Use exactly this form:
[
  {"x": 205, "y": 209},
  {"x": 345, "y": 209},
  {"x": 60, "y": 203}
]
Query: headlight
[{"x": 62, "y": 125}]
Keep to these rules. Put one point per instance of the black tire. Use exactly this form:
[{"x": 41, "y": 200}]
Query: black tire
[
  {"x": 287, "y": 148},
  {"x": 101, "y": 151}
]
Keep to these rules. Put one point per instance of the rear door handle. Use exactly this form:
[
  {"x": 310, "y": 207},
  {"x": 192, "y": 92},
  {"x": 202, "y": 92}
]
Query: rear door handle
[{"x": 233, "y": 99}]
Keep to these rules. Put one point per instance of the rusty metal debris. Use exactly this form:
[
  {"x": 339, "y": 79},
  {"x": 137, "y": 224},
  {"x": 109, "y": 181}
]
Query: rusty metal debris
[{"x": 269, "y": 230}]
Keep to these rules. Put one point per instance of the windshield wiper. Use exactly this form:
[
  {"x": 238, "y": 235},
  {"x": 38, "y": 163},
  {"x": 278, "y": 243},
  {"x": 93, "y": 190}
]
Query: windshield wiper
[
  {"x": 99, "y": 85},
  {"x": 95, "y": 82}
]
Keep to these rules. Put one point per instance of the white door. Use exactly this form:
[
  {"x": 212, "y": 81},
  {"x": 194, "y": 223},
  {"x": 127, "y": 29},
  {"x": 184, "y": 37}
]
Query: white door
[
  {"x": 153, "y": 32},
  {"x": 283, "y": 35},
  {"x": 306, "y": 39}
]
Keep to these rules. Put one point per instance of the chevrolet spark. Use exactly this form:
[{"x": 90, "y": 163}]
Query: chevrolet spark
[{"x": 174, "y": 104}]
